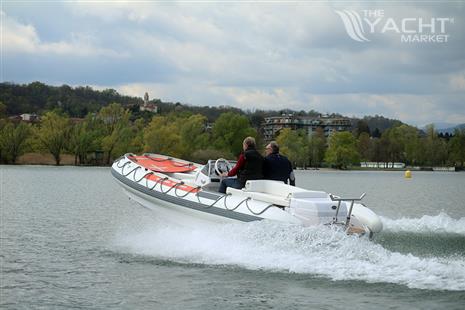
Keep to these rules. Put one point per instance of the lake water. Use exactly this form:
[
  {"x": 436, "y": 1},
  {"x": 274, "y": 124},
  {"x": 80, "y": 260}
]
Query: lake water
[{"x": 71, "y": 239}]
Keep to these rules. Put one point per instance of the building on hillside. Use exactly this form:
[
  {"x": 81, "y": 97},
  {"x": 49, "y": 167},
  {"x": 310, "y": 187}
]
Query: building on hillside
[
  {"x": 272, "y": 125},
  {"x": 148, "y": 106},
  {"x": 26, "y": 117},
  {"x": 382, "y": 165}
]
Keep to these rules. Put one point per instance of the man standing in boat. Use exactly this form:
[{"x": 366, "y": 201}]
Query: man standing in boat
[
  {"x": 276, "y": 166},
  {"x": 248, "y": 167}
]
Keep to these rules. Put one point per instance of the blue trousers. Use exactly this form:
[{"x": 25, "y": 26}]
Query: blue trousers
[{"x": 234, "y": 183}]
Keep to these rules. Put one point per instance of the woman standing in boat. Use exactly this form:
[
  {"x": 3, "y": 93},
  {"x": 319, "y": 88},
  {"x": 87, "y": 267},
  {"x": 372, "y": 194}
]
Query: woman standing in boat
[{"x": 249, "y": 167}]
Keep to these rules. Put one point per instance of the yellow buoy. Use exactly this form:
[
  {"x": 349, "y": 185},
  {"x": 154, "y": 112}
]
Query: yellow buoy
[{"x": 408, "y": 174}]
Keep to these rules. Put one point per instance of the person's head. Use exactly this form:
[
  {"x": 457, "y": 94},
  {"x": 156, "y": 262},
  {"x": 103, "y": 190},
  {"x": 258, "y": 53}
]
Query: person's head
[
  {"x": 272, "y": 148},
  {"x": 249, "y": 142}
]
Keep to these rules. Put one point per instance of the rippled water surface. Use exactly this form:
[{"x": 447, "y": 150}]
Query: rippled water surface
[{"x": 71, "y": 239}]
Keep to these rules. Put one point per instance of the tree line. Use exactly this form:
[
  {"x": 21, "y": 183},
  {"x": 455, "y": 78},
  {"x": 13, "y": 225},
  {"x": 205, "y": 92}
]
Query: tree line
[
  {"x": 77, "y": 102},
  {"x": 401, "y": 143},
  {"x": 113, "y": 131}
]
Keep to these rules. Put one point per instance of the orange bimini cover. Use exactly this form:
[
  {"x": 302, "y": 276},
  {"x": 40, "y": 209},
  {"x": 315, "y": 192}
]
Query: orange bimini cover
[{"x": 163, "y": 164}]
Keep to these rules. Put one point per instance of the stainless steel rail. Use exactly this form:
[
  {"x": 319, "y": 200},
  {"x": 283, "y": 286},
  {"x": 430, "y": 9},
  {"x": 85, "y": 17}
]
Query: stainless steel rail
[{"x": 339, "y": 200}]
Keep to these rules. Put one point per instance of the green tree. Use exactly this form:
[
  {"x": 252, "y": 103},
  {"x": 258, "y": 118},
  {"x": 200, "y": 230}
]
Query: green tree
[
  {"x": 229, "y": 131},
  {"x": 342, "y": 150},
  {"x": 384, "y": 148},
  {"x": 13, "y": 141},
  {"x": 295, "y": 145},
  {"x": 52, "y": 134},
  {"x": 83, "y": 139},
  {"x": 376, "y": 151},
  {"x": 117, "y": 130},
  {"x": 137, "y": 142},
  {"x": 203, "y": 155},
  {"x": 435, "y": 148},
  {"x": 410, "y": 142},
  {"x": 398, "y": 144},
  {"x": 193, "y": 134},
  {"x": 364, "y": 146},
  {"x": 457, "y": 148},
  {"x": 394, "y": 146},
  {"x": 361, "y": 127},
  {"x": 2, "y": 110},
  {"x": 179, "y": 135},
  {"x": 162, "y": 136},
  {"x": 317, "y": 147}
]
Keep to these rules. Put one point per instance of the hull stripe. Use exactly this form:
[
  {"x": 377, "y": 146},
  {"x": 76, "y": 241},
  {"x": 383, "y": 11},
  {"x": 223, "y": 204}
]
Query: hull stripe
[{"x": 186, "y": 203}]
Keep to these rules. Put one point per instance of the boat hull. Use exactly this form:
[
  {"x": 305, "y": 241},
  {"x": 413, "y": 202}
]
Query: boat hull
[
  {"x": 182, "y": 210},
  {"x": 174, "y": 214},
  {"x": 181, "y": 197}
]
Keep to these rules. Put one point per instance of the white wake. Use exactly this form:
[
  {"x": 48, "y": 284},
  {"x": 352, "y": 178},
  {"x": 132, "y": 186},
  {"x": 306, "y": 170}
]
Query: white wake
[
  {"x": 320, "y": 251},
  {"x": 441, "y": 223}
]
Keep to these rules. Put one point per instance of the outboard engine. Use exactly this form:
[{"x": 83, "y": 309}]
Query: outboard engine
[
  {"x": 362, "y": 216},
  {"x": 314, "y": 208},
  {"x": 314, "y": 211}
]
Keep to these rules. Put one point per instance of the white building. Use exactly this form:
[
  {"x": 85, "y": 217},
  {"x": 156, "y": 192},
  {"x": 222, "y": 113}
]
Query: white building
[
  {"x": 29, "y": 117},
  {"x": 382, "y": 165},
  {"x": 148, "y": 106}
]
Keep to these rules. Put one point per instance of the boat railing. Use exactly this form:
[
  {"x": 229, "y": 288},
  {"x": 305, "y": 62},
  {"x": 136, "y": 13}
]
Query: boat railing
[
  {"x": 349, "y": 214},
  {"x": 194, "y": 190}
]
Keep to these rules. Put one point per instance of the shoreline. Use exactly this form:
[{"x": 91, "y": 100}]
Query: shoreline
[
  {"x": 38, "y": 159},
  {"x": 379, "y": 170}
]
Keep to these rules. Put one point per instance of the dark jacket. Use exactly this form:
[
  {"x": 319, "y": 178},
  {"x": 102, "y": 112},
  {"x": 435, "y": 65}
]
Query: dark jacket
[
  {"x": 277, "y": 167},
  {"x": 253, "y": 166}
]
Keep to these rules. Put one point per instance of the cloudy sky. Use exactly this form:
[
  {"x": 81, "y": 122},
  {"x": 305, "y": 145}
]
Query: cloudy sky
[{"x": 260, "y": 55}]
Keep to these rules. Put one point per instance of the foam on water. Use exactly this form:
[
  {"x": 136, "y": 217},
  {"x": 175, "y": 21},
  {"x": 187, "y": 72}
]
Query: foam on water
[
  {"x": 320, "y": 251},
  {"x": 441, "y": 223}
]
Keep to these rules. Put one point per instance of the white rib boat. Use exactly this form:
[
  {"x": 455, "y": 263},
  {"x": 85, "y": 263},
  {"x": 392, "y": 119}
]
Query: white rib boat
[{"x": 187, "y": 193}]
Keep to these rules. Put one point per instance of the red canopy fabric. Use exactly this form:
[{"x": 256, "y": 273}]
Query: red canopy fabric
[{"x": 162, "y": 164}]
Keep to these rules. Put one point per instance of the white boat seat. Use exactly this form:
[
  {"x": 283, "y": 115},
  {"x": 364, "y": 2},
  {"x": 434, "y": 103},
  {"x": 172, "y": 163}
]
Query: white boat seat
[
  {"x": 182, "y": 175},
  {"x": 280, "y": 189},
  {"x": 268, "y": 198}
]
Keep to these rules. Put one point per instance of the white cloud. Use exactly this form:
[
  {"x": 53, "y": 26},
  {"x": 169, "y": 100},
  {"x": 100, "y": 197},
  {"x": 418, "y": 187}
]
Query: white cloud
[
  {"x": 17, "y": 37},
  {"x": 263, "y": 99},
  {"x": 23, "y": 38},
  {"x": 201, "y": 94},
  {"x": 457, "y": 82},
  {"x": 249, "y": 55},
  {"x": 413, "y": 109}
]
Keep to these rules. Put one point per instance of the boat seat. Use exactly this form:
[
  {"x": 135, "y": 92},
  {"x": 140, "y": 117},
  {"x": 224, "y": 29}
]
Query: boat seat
[
  {"x": 269, "y": 198},
  {"x": 183, "y": 176},
  {"x": 187, "y": 178},
  {"x": 280, "y": 189}
]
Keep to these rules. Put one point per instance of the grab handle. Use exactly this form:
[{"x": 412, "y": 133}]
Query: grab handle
[{"x": 339, "y": 200}]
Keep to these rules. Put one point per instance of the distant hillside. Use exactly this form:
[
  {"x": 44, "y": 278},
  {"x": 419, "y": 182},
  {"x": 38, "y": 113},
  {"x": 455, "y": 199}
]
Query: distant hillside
[
  {"x": 381, "y": 123},
  {"x": 374, "y": 125},
  {"x": 451, "y": 130},
  {"x": 38, "y": 98}
]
